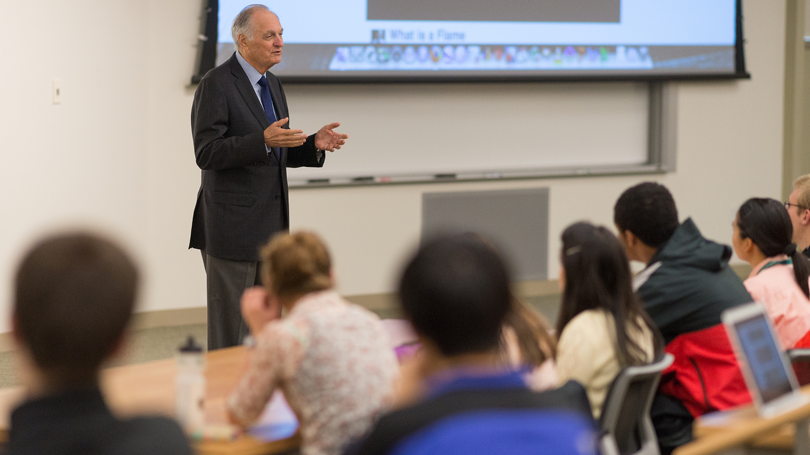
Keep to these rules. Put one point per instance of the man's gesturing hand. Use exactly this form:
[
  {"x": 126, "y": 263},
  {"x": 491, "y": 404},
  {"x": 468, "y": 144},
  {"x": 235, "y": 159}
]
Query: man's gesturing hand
[
  {"x": 327, "y": 139},
  {"x": 276, "y": 136}
]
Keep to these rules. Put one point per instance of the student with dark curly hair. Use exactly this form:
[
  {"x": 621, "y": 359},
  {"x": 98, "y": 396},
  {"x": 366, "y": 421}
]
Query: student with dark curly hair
[{"x": 686, "y": 285}]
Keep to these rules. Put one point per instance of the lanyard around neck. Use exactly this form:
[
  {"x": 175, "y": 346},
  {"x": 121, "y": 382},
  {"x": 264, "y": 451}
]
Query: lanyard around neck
[{"x": 773, "y": 263}]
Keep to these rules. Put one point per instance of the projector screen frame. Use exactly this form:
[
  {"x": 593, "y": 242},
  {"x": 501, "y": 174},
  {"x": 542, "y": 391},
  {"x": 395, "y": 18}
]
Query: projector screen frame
[{"x": 207, "y": 50}]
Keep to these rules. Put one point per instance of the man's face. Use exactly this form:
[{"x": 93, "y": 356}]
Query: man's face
[
  {"x": 737, "y": 242},
  {"x": 799, "y": 216},
  {"x": 264, "y": 49},
  {"x": 623, "y": 240}
]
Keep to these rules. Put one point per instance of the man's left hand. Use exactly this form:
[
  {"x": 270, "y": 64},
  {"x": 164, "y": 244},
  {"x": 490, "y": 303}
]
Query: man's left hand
[{"x": 327, "y": 139}]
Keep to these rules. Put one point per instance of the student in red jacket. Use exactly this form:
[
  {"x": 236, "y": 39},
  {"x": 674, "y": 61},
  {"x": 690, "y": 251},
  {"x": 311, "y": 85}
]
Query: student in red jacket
[{"x": 685, "y": 287}]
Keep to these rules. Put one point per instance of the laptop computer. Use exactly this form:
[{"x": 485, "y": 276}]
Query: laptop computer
[{"x": 765, "y": 366}]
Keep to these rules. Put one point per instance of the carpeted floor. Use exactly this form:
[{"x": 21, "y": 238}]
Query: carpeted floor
[{"x": 142, "y": 346}]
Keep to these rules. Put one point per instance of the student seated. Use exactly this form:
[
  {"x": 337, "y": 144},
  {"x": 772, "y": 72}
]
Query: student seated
[
  {"x": 528, "y": 345},
  {"x": 455, "y": 292},
  {"x": 685, "y": 287},
  {"x": 526, "y": 340},
  {"x": 763, "y": 237},
  {"x": 332, "y": 359},
  {"x": 798, "y": 207},
  {"x": 602, "y": 324},
  {"x": 73, "y": 298}
]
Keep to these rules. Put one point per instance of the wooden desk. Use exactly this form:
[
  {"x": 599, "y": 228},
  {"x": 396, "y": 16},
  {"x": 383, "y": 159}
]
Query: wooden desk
[
  {"x": 148, "y": 388},
  {"x": 743, "y": 427}
]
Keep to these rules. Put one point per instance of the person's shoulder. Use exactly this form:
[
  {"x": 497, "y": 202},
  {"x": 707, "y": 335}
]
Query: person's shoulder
[
  {"x": 595, "y": 316},
  {"x": 292, "y": 327},
  {"x": 151, "y": 435},
  {"x": 219, "y": 73},
  {"x": 570, "y": 397},
  {"x": 756, "y": 284},
  {"x": 777, "y": 279},
  {"x": 589, "y": 326},
  {"x": 567, "y": 402}
]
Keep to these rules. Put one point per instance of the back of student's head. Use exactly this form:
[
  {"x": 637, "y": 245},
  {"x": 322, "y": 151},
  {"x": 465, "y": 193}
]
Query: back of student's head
[
  {"x": 768, "y": 225},
  {"x": 296, "y": 264},
  {"x": 534, "y": 341},
  {"x": 597, "y": 276},
  {"x": 455, "y": 291},
  {"x": 73, "y": 297},
  {"x": 648, "y": 211}
]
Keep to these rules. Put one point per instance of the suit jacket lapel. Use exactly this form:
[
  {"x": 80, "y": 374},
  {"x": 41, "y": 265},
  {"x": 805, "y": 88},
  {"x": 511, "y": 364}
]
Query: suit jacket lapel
[{"x": 248, "y": 94}]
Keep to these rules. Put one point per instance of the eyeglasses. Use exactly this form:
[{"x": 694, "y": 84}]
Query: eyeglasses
[{"x": 788, "y": 205}]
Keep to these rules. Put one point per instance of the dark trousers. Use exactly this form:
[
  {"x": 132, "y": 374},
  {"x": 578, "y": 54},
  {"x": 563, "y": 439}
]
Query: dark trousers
[
  {"x": 672, "y": 422},
  {"x": 225, "y": 282}
]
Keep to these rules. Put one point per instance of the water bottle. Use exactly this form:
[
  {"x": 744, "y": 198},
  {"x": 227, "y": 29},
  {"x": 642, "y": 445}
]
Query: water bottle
[{"x": 190, "y": 387}]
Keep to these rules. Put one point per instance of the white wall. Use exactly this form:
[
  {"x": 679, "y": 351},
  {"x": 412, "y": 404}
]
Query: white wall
[
  {"x": 117, "y": 152},
  {"x": 84, "y": 162}
]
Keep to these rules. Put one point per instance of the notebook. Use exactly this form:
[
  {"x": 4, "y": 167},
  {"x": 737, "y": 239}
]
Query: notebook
[
  {"x": 277, "y": 421},
  {"x": 765, "y": 366}
]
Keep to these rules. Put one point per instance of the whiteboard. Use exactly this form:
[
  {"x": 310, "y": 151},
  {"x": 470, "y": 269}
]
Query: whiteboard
[{"x": 419, "y": 131}]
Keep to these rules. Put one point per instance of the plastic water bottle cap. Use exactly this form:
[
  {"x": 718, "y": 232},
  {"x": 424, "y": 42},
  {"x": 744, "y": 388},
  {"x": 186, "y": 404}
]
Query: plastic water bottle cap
[{"x": 191, "y": 345}]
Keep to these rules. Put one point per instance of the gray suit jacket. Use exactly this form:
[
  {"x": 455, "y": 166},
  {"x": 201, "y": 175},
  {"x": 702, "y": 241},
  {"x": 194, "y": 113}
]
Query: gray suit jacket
[{"x": 243, "y": 196}]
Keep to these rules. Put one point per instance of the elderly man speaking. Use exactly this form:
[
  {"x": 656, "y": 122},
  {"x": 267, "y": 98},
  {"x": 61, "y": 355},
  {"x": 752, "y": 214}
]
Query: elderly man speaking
[{"x": 243, "y": 145}]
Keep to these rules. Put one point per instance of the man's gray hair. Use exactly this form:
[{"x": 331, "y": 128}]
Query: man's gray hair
[{"x": 242, "y": 25}]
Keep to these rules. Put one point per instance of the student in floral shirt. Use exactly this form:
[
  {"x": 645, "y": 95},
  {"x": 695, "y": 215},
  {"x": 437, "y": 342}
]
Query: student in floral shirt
[{"x": 332, "y": 359}]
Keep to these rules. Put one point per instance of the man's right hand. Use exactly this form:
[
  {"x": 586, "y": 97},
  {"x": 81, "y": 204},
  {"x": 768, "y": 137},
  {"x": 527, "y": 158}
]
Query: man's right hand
[{"x": 276, "y": 136}]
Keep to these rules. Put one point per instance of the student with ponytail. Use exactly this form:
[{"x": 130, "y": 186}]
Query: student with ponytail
[{"x": 763, "y": 237}]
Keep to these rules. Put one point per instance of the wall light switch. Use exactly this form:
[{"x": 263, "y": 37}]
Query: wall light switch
[{"x": 57, "y": 91}]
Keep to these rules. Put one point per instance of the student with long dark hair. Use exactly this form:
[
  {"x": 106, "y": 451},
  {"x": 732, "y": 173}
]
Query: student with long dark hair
[
  {"x": 763, "y": 237},
  {"x": 602, "y": 325},
  {"x": 528, "y": 344}
]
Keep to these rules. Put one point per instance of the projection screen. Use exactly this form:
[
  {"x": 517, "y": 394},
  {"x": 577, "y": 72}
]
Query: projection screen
[{"x": 362, "y": 40}]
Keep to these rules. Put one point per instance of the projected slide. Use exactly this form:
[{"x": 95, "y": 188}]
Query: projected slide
[
  {"x": 457, "y": 39},
  {"x": 504, "y": 10}
]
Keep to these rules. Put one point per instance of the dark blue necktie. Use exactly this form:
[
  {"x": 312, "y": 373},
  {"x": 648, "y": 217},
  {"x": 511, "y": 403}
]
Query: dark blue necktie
[{"x": 267, "y": 102}]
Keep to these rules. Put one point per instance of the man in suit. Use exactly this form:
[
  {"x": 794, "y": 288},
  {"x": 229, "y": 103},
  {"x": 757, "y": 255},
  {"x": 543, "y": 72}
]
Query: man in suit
[{"x": 243, "y": 144}]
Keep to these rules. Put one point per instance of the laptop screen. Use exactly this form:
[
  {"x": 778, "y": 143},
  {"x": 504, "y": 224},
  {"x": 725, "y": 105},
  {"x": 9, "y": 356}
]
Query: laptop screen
[{"x": 764, "y": 358}]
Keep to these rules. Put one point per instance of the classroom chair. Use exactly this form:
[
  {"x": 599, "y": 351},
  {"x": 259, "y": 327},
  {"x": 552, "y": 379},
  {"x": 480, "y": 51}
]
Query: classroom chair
[{"x": 625, "y": 421}]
